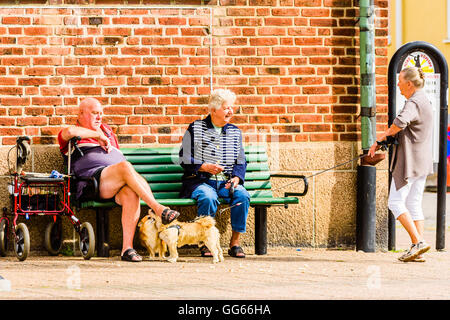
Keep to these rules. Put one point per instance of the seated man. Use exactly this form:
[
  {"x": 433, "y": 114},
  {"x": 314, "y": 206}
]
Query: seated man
[
  {"x": 115, "y": 176},
  {"x": 211, "y": 154}
]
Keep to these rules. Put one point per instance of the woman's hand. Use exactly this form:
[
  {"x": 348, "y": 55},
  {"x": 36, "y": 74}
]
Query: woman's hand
[
  {"x": 234, "y": 180},
  {"x": 211, "y": 168},
  {"x": 373, "y": 149}
]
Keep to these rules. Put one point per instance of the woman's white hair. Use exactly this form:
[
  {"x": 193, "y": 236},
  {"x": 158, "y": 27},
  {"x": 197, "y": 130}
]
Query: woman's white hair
[{"x": 219, "y": 96}]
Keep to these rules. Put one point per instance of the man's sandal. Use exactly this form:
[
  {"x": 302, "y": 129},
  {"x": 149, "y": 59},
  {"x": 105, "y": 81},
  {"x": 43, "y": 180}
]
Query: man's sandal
[
  {"x": 168, "y": 215},
  {"x": 131, "y": 255},
  {"x": 236, "y": 252}
]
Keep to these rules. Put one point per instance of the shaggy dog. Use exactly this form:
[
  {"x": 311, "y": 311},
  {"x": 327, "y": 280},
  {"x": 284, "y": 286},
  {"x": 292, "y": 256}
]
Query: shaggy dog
[
  {"x": 149, "y": 236},
  {"x": 156, "y": 237}
]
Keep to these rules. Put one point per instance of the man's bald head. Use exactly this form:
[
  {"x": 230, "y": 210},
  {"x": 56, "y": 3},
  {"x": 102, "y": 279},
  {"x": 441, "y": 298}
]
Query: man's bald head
[
  {"x": 90, "y": 113},
  {"x": 87, "y": 104}
]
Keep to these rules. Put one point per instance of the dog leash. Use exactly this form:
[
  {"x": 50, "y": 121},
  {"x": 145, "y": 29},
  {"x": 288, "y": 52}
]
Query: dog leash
[
  {"x": 229, "y": 207},
  {"x": 320, "y": 172},
  {"x": 295, "y": 182},
  {"x": 384, "y": 146}
]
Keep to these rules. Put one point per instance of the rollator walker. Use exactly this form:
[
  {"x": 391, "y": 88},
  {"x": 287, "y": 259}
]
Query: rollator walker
[{"x": 39, "y": 194}]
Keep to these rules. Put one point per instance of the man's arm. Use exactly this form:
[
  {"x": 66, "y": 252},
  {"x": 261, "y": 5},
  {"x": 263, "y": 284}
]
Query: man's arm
[{"x": 73, "y": 131}]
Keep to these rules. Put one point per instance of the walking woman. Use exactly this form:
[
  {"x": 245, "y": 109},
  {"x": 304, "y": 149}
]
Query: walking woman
[{"x": 411, "y": 160}]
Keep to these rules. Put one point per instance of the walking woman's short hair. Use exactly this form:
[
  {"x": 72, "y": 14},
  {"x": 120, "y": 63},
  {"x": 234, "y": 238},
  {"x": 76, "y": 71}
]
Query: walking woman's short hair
[
  {"x": 219, "y": 96},
  {"x": 415, "y": 75}
]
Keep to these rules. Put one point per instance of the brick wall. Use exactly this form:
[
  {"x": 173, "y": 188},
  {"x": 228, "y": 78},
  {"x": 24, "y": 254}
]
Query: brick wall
[{"x": 293, "y": 63}]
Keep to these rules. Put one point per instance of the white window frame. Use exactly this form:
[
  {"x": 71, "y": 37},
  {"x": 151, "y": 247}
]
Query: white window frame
[{"x": 399, "y": 23}]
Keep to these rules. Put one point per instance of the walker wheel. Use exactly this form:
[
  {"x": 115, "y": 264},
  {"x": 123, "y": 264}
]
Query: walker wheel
[
  {"x": 3, "y": 237},
  {"x": 53, "y": 239},
  {"x": 22, "y": 242},
  {"x": 87, "y": 240}
]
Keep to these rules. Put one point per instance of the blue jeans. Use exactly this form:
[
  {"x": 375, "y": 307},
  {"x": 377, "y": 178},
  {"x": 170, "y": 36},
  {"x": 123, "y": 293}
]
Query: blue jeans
[{"x": 207, "y": 196}]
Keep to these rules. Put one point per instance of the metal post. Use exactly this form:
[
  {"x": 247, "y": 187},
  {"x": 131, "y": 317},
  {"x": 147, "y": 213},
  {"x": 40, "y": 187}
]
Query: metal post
[
  {"x": 260, "y": 230},
  {"x": 102, "y": 222},
  {"x": 442, "y": 167},
  {"x": 365, "y": 209}
]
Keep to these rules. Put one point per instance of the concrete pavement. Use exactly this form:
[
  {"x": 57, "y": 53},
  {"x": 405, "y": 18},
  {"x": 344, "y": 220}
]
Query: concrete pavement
[{"x": 284, "y": 273}]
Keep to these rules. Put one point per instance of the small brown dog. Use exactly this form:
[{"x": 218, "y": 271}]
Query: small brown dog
[
  {"x": 149, "y": 236},
  {"x": 155, "y": 236}
]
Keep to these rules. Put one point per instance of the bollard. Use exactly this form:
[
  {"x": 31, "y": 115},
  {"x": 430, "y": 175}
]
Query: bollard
[
  {"x": 448, "y": 158},
  {"x": 366, "y": 208}
]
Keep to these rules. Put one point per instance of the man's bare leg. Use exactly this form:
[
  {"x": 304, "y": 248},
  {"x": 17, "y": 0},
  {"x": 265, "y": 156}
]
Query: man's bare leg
[
  {"x": 114, "y": 177},
  {"x": 131, "y": 211}
]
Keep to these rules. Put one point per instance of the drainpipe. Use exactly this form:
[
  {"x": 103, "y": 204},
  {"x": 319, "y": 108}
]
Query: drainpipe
[
  {"x": 398, "y": 24},
  {"x": 366, "y": 174}
]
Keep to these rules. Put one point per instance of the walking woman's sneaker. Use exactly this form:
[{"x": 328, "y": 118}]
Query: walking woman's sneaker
[
  {"x": 419, "y": 258},
  {"x": 415, "y": 251}
]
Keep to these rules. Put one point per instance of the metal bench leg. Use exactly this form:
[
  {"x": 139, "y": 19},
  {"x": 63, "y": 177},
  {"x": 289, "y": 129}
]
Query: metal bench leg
[
  {"x": 260, "y": 230},
  {"x": 102, "y": 217}
]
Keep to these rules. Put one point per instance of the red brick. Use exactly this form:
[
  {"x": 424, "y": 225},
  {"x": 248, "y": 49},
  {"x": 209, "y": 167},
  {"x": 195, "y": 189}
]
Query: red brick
[
  {"x": 16, "y": 20},
  {"x": 150, "y": 120},
  {"x": 148, "y": 31},
  {"x": 307, "y": 3},
  {"x": 134, "y": 91},
  {"x": 285, "y": 51},
  {"x": 125, "y": 101},
  {"x": 11, "y": 132},
  {"x": 263, "y": 119},
  {"x": 316, "y": 90},
  {"x": 315, "y": 51},
  {"x": 16, "y": 61},
  {"x": 37, "y": 31},
  {"x": 39, "y": 71},
  {"x": 118, "y": 71},
  {"x": 271, "y": 31},
  {"x": 54, "y": 91},
  {"x": 32, "y": 121},
  {"x": 52, "y": 61}
]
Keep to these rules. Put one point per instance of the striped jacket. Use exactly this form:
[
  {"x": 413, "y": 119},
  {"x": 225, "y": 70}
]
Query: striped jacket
[{"x": 203, "y": 144}]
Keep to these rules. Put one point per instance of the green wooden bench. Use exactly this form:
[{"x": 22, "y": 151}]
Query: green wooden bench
[{"x": 159, "y": 167}]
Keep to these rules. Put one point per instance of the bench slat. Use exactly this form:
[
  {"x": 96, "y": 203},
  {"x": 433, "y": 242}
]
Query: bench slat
[
  {"x": 176, "y": 186},
  {"x": 175, "y": 168},
  {"x": 171, "y": 177},
  {"x": 175, "y": 150},
  {"x": 173, "y": 159},
  {"x": 158, "y": 168},
  {"x": 189, "y": 202},
  {"x": 175, "y": 194}
]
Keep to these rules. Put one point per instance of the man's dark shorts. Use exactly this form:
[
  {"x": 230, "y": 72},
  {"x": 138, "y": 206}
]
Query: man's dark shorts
[{"x": 89, "y": 190}]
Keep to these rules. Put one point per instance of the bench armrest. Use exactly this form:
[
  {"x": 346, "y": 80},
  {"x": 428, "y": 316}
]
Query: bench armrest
[{"x": 293, "y": 176}]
